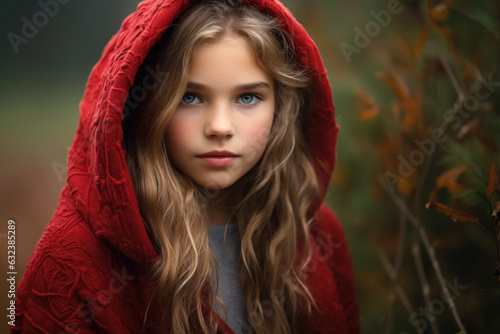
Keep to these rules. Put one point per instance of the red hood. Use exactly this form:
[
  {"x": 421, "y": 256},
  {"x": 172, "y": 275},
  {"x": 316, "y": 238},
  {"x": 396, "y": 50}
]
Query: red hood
[{"x": 98, "y": 178}]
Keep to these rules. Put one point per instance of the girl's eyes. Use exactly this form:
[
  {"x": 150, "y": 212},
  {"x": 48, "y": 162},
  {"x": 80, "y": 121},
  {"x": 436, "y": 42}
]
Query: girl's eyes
[
  {"x": 245, "y": 99},
  {"x": 190, "y": 98},
  {"x": 249, "y": 99}
]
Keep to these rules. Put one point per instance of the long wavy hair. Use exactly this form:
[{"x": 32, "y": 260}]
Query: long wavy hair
[{"x": 272, "y": 199}]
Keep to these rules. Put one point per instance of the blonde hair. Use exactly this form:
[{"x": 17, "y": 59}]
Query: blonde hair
[{"x": 273, "y": 199}]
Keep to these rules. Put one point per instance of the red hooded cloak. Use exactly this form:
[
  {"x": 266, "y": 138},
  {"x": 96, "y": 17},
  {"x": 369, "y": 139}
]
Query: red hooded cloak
[{"x": 88, "y": 271}]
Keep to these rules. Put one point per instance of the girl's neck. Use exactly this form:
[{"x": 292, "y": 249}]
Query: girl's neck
[
  {"x": 219, "y": 209},
  {"x": 218, "y": 215}
]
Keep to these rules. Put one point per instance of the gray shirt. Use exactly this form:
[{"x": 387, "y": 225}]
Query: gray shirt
[{"x": 227, "y": 253}]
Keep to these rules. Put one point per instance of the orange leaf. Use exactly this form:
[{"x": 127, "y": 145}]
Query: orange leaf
[
  {"x": 455, "y": 188},
  {"x": 369, "y": 108},
  {"x": 492, "y": 179},
  {"x": 368, "y": 114},
  {"x": 419, "y": 44},
  {"x": 407, "y": 185},
  {"x": 405, "y": 51},
  {"x": 449, "y": 179},
  {"x": 439, "y": 13},
  {"x": 453, "y": 174},
  {"x": 396, "y": 83},
  {"x": 456, "y": 215}
]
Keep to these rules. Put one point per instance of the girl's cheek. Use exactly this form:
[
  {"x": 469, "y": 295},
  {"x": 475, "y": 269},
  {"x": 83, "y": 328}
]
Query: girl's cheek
[
  {"x": 181, "y": 127},
  {"x": 262, "y": 134},
  {"x": 176, "y": 136},
  {"x": 258, "y": 137},
  {"x": 263, "y": 129}
]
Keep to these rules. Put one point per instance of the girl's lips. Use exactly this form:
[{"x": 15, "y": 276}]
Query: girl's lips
[{"x": 218, "y": 161}]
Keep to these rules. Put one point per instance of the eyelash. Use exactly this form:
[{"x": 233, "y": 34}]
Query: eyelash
[
  {"x": 188, "y": 105},
  {"x": 257, "y": 96}
]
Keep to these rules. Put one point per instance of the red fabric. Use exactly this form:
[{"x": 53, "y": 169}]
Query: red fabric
[{"x": 88, "y": 271}]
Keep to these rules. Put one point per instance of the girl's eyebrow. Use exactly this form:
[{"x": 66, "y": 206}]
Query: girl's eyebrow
[
  {"x": 253, "y": 85},
  {"x": 247, "y": 86}
]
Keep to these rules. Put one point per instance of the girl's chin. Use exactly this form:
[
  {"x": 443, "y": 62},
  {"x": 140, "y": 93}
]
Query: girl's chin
[
  {"x": 215, "y": 186},
  {"x": 216, "y": 181}
]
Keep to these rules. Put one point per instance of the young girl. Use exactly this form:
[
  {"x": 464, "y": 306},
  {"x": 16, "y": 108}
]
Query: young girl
[{"x": 193, "y": 197}]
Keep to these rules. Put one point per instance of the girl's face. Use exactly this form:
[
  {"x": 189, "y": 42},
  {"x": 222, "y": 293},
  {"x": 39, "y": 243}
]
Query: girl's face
[{"x": 221, "y": 128}]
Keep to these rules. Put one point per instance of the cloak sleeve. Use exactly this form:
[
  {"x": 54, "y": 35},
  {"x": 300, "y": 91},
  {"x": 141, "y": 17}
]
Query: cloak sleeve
[
  {"x": 332, "y": 242},
  {"x": 48, "y": 303}
]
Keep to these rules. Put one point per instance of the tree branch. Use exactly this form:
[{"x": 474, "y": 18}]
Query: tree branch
[
  {"x": 426, "y": 290},
  {"x": 396, "y": 286},
  {"x": 428, "y": 247}
]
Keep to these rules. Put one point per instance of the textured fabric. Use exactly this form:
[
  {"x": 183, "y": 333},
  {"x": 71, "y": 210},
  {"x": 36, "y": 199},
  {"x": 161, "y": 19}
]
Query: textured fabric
[
  {"x": 87, "y": 273},
  {"x": 225, "y": 244}
]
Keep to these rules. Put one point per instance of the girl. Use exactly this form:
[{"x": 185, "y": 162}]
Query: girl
[{"x": 193, "y": 197}]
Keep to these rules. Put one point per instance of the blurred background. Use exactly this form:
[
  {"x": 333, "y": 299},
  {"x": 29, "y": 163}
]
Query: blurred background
[{"x": 417, "y": 92}]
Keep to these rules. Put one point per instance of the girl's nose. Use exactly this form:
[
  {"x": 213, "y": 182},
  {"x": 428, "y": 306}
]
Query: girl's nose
[{"x": 219, "y": 122}]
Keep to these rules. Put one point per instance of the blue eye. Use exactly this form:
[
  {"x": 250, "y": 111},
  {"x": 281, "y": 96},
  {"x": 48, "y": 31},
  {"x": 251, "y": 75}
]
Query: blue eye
[
  {"x": 249, "y": 99},
  {"x": 190, "y": 98}
]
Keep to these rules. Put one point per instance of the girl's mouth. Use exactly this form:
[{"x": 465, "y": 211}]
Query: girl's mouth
[{"x": 218, "y": 161}]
